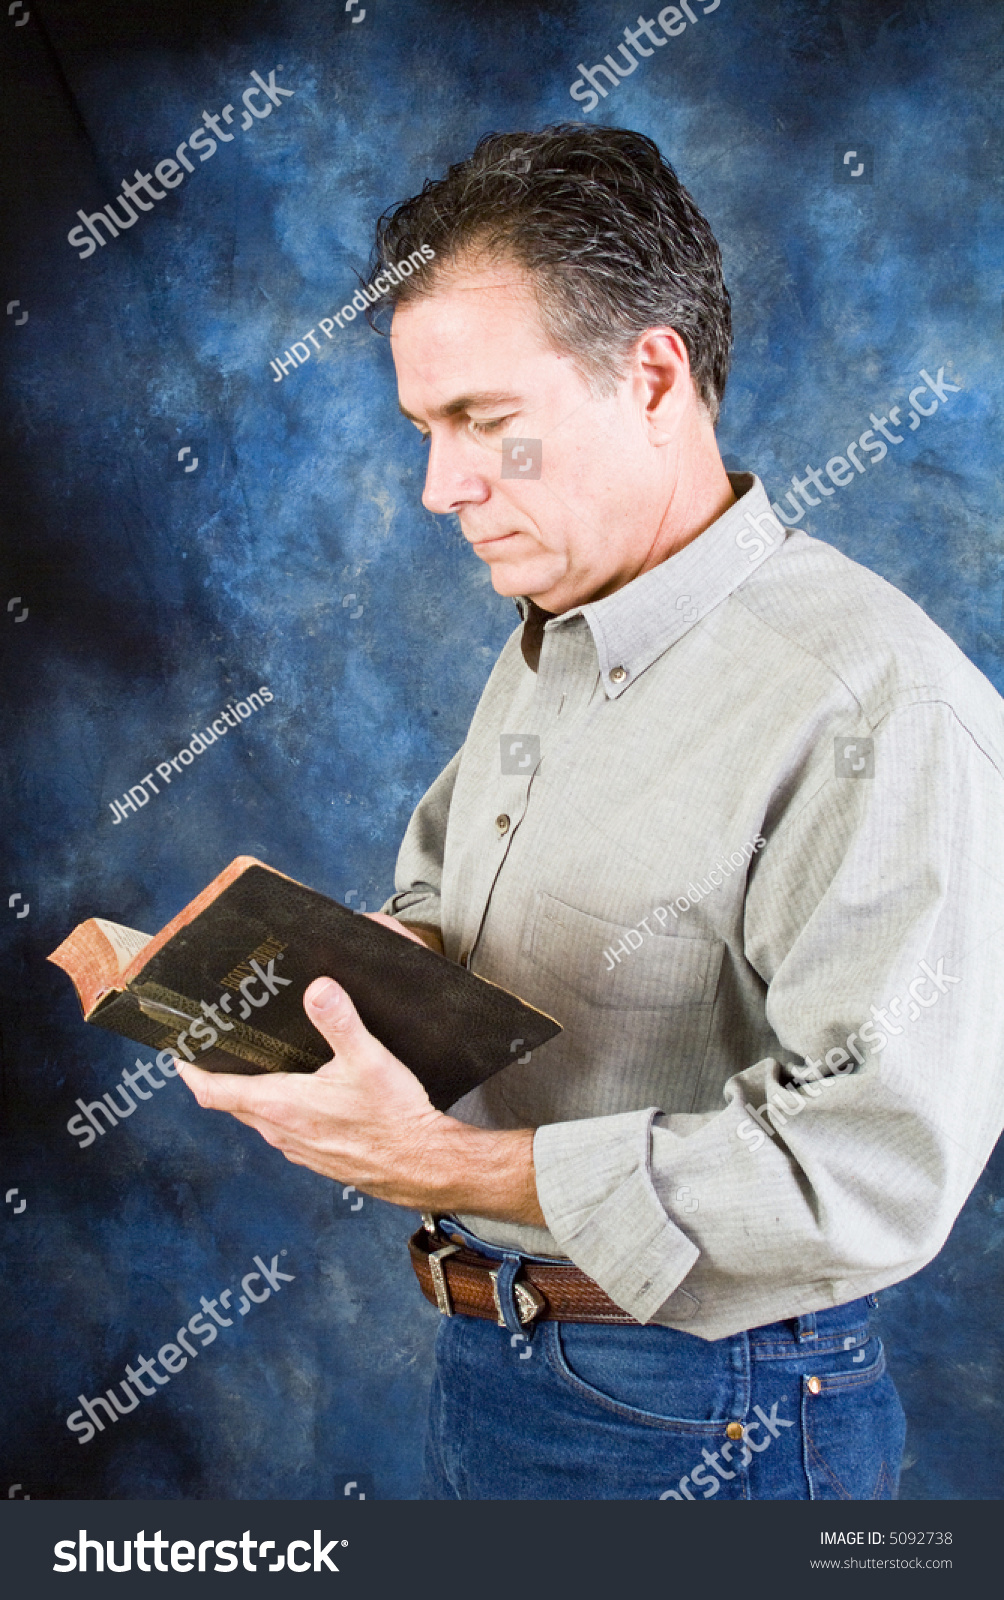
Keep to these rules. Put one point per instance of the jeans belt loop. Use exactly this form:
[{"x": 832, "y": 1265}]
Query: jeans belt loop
[
  {"x": 504, "y": 1290},
  {"x": 805, "y": 1327}
]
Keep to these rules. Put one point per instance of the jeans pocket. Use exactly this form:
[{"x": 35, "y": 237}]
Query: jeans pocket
[
  {"x": 854, "y": 1429},
  {"x": 655, "y": 1376}
]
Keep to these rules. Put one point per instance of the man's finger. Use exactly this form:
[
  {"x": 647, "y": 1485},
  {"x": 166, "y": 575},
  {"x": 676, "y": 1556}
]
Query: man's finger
[
  {"x": 333, "y": 1015},
  {"x": 225, "y": 1091}
]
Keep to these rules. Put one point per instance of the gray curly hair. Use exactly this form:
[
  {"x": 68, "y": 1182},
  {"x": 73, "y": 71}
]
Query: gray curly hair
[{"x": 612, "y": 241}]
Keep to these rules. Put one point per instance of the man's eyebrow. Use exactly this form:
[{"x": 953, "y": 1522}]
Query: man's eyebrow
[{"x": 484, "y": 400}]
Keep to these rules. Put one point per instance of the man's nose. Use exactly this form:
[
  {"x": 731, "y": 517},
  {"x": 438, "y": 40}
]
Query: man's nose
[{"x": 452, "y": 479}]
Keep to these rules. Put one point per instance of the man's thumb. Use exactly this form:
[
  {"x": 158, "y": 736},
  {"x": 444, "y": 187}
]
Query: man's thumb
[{"x": 331, "y": 1011}]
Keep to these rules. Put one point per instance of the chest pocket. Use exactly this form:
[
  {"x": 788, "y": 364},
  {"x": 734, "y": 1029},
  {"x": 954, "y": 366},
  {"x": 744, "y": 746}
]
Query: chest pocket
[
  {"x": 663, "y": 970},
  {"x": 635, "y": 1034}
]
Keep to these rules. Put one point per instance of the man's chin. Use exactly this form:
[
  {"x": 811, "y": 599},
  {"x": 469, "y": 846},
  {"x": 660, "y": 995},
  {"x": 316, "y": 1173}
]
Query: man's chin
[
  {"x": 514, "y": 580},
  {"x": 520, "y": 577}
]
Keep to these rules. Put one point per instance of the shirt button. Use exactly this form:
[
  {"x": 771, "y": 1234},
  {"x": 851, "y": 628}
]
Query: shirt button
[
  {"x": 813, "y": 1385},
  {"x": 735, "y": 1430},
  {"x": 502, "y": 823},
  {"x": 618, "y": 674}
]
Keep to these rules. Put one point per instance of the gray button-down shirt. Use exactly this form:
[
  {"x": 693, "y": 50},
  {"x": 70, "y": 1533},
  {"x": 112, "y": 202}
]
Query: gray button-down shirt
[{"x": 753, "y": 862}]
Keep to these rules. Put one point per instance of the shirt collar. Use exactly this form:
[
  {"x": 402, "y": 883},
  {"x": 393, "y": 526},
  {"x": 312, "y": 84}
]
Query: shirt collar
[{"x": 637, "y": 624}]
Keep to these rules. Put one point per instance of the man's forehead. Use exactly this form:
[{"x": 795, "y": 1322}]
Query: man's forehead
[
  {"x": 465, "y": 344},
  {"x": 462, "y": 303}
]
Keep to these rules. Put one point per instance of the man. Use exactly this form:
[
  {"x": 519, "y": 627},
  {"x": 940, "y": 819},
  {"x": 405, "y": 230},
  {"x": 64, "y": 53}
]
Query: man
[{"x": 730, "y": 809}]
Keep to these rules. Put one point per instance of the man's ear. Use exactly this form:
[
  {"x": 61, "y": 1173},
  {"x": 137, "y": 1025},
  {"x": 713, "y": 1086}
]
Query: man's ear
[{"x": 663, "y": 382}]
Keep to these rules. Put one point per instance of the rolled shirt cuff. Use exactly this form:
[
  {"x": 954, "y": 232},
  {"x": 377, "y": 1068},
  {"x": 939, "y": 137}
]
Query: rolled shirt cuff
[
  {"x": 595, "y": 1189},
  {"x": 417, "y": 906}
]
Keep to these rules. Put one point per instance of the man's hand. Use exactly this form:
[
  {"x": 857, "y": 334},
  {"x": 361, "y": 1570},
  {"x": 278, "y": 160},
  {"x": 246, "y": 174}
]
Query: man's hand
[
  {"x": 364, "y": 1118},
  {"x": 430, "y": 937}
]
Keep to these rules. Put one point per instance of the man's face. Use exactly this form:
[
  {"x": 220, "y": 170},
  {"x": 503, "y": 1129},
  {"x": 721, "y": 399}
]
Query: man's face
[{"x": 474, "y": 367}]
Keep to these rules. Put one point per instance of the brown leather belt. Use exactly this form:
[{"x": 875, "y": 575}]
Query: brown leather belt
[{"x": 461, "y": 1282}]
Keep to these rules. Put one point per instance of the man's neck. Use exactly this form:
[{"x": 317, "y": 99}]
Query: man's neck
[{"x": 697, "y": 501}]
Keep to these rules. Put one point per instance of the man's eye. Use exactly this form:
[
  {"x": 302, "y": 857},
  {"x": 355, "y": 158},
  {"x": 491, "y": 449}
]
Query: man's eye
[{"x": 483, "y": 428}]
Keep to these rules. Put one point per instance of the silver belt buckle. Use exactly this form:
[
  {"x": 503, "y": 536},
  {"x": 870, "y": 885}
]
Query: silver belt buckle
[
  {"x": 439, "y": 1283},
  {"x": 529, "y": 1303}
]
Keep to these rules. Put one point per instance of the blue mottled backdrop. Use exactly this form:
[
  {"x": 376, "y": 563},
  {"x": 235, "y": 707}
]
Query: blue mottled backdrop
[{"x": 296, "y": 554}]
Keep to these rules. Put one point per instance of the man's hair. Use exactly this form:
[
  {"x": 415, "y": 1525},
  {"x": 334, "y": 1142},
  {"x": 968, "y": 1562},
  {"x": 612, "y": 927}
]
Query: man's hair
[{"x": 611, "y": 239}]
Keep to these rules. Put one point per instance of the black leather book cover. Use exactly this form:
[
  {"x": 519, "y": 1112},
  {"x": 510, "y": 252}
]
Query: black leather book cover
[{"x": 227, "y": 988}]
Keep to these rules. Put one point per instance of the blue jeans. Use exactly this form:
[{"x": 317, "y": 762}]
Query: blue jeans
[{"x": 577, "y": 1411}]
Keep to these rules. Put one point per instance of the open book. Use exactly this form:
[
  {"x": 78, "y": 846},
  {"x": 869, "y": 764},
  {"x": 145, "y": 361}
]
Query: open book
[{"x": 222, "y": 985}]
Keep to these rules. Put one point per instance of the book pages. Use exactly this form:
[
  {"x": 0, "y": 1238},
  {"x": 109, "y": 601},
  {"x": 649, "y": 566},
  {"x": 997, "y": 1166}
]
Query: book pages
[{"x": 126, "y": 942}]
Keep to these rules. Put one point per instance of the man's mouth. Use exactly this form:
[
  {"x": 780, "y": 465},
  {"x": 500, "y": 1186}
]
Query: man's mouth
[{"x": 492, "y": 541}]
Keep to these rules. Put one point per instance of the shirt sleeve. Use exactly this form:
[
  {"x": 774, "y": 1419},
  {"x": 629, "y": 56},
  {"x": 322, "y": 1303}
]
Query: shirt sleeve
[
  {"x": 418, "y": 878},
  {"x": 874, "y": 917}
]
